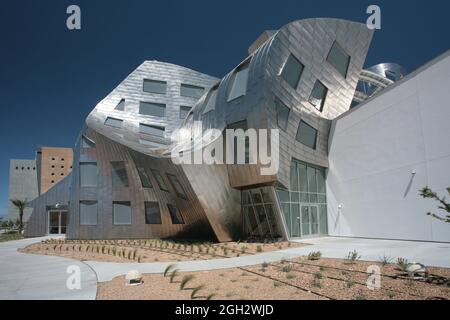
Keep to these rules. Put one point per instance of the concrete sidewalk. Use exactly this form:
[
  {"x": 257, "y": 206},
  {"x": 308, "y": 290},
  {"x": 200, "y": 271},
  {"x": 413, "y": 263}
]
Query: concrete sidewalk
[
  {"x": 431, "y": 254},
  {"x": 39, "y": 277}
]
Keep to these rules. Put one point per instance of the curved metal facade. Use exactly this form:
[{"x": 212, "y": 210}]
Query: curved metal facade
[{"x": 211, "y": 206}]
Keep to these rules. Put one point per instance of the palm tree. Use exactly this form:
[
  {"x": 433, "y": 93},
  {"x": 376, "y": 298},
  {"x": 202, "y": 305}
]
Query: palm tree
[{"x": 20, "y": 205}]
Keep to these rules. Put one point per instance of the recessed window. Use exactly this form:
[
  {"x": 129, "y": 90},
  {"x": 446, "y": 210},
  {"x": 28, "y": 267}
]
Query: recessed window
[
  {"x": 152, "y": 109},
  {"x": 307, "y": 135},
  {"x": 292, "y": 71},
  {"x": 23, "y": 168},
  {"x": 318, "y": 95},
  {"x": 17, "y": 168},
  {"x": 187, "y": 90},
  {"x": 88, "y": 174},
  {"x": 238, "y": 81},
  {"x": 113, "y": 122},
  {"x": 152, "y": 213},
  {"x": 145, "y": 180},
  {"x": 88, "y": 213},
  {"x": 211, "y": 99},
  {"x": 34, "y": 168},
  {"x": 120, "y": 106},
  {"x": 160, "y": 180},
  {"x": 177, "y": 186},
  {"x": 119, "y": 174},
  {"x": 151, "y": 144},
  {"x": 154, "y": 86},
  {"x": 87, "y": 143},
  {"x": 282, "y": 114},
  {"x": 28, "y": 168},
  {"x": 184, "y": 111},
  {"x": 53, "y": 181},
  {"x": 122, "y": 213},
  {"x": 53, "y": 173},
  {"x": 339, "y": 59},
  {"x": 52, "y": 167},
  {"x": 62, "y": 159},
  {"x": 53, "y": 159},
  {"x": 62, "y": 174},
  {"x": 62, "y": 167},
  {"x": 152, "y": 130},
  {"x": 175, "y": 215}
]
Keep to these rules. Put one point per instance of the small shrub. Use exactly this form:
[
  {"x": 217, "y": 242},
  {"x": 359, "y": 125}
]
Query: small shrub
[
  {"x": 360, "y": 297},
  {"x": 186, "y": 279},
  {"x": 353, "y": 256},
  {"x": 318, "y": 275},
  {"x": 316, "y": 255},
  {"x": 290, "y": 276},
  {"x": 316, "y": 283},
  {"x": 322, "y": 268},
  {"x": 210, "y": 296},
  {"x": 259, "y": 249},
  {"x": 350, "y": 283},
  {"x": 264, "y": 265},
  {"x": 173, "y": 274},
  {"x": 287, "y": 268},
  {"x": 277, "y": 284},
  {"x": 390, "y": 294}
]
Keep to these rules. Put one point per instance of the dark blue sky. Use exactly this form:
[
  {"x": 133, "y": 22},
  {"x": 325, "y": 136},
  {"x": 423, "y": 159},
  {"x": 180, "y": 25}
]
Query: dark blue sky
[{"x": 50, "y": 77}]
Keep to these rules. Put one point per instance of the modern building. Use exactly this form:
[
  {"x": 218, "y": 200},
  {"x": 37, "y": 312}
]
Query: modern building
[
  {"x": 53, "y": 164},
  {"x": 23, "y": 185},
  {"x": 30, "y": 178},
  {"x": 346, "y": 173}
]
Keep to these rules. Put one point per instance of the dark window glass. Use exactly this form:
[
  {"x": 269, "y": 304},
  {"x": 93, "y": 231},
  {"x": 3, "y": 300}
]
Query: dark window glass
[
  {"x": 120, "y": 106},
  {"x": 292, "y": 71},
  {"x": 154, "y": 86},
  {"x": 88, "y": 213},
  {"x": 152, "y": 109},
  {"x": 282, "y": 114},
  {"x": 145, "y": 181},
  {"x": 239, "y": 79},
  {"x": 318, "y": 96},
  {"x": 307, "y": 135},
  {"x": 175, "y": 215},
  {"x": 191, "y": 91},
  {"x": 112, "y": 122},
  {"x": 177, "y": 186},
  {"x": 184, "y": 111},
  {"x": 151, "y": 130},
  {"x": 87, "y": 143},
  {"x": 160, "y": 180},
  {"x": 119, "y": 174},
  {"x": 152, "y": 213},
  {"x": 339, "y": 59},
  {"x": 88, "y": 174}
]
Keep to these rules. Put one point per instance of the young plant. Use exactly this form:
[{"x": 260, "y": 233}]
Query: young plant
[
  {"x": 402, "y": 263},
  {"x": 186, "y": 279},
  {"x": 173, "y": 274},
  {"x": 264, "y": 265},
  {"x": 259, "y": 249},
  {"x": 196, "y": 290},
  {"x": 385, "y": 260},
  {"x": 169, "y": 268},
  {"x": 210, "y": 296},
  {"x": 353, "y": 256},
  {"x": 287, "y": 268}
]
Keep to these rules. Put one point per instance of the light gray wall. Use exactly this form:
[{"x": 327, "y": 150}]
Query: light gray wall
[
  {"x": 375, "y": 148},
  {"x": 22, "y": 185}
]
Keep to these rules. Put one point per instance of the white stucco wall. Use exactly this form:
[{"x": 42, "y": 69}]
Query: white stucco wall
[{"x": 375, "y": 148}]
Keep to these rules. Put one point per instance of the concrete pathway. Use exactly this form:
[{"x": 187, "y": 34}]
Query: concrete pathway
[
  {"x": 431, "y": 254},
  {"x": 39, "y": 277}
]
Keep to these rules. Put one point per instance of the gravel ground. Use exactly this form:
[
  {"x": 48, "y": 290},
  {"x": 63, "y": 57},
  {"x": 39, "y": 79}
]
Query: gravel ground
[
  {"x": 299, "y": 279},
  {"x": 147, "y": 251}
]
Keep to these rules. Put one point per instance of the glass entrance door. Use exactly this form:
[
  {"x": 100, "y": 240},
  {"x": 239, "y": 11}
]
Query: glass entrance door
[
  {"x": 57, "y": 222},
  {"x": 310, "y": 220}
]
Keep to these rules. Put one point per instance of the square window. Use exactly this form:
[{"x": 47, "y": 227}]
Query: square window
[
  {"x": 292, "y": 71},
  {"x": 177, "y": 186},
  {"x": 88, "y": 174},
  {"x": 151, "y": 130},
  {"x": 175, "y": 215},
  {"x": 339, "y": 59},
  {"x": 307, "y": 135},
  {"x": 152, "y": 213},
  {"x": 282, "y": 114},
  {"x": 187, "y": 90},
  {"x": 318, "y": 95},
  {"x": 88, "y": 213},
  {"x": 119, "y": 174},
  {"x": 238, "y": 81},
  {"x": 160, "y": 180},
  {"x": 122, "y": 213},
  {"x": 184, "y": 111},
  {"x": 86, "y": 143},
  {"x": 155, "y": 86},
  {"x": 115, "y": 123},
  {"x": 240, "y": 141},
  {"x": 152, "y": 109}
]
